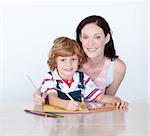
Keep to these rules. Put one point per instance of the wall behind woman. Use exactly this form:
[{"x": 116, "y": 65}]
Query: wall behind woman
[{"x": 28, "y": 29}]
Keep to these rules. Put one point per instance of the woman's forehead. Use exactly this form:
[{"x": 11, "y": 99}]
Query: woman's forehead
[{"x": 91, "y": 27}]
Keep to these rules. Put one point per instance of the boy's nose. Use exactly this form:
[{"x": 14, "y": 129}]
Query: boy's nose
[{"x": 68, "y": 64}]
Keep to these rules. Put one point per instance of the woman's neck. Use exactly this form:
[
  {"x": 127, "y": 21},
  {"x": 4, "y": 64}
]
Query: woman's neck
[
  {"x": 95, "y": 61},
  {"x": 93, "y": 67}
]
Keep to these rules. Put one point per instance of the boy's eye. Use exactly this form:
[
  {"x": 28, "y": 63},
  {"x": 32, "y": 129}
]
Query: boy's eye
[
  {"x": 62, "y": 60},
  {"x": 74, "y": 59}
]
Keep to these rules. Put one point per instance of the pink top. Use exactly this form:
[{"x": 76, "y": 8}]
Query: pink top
[{"x": 105, "y": 77}]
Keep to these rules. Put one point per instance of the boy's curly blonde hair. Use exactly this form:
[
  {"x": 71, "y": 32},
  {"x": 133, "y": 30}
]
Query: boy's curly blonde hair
[{"x": 64, "y": 46}]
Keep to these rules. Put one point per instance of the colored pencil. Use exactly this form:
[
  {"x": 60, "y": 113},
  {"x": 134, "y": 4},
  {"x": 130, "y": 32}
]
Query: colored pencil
[
  {"x": 36, "y": 89},
  {"x": 71, "y": 98},
  {"x": 43, "y": 114},
  {"x": 53, "y": 114},
  {"x": 39, "y": 114}
]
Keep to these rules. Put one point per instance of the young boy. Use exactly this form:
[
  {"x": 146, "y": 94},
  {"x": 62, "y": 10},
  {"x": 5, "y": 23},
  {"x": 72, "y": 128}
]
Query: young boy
[{"x": 64, "y": 85}]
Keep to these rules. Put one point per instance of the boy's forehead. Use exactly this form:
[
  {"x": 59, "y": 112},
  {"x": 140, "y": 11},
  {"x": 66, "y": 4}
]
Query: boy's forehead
[{"x": 68, "y": 56}]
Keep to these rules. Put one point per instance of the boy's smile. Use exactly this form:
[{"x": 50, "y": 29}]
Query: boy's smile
[{"x": 67, "y": 66}]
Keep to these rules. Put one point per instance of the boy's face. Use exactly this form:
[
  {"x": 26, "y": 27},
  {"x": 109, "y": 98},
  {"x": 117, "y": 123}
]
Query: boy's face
[{"x": 67, "y": 66}]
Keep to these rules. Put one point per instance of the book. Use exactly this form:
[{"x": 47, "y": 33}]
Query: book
[{"x": 85, "y": 108}]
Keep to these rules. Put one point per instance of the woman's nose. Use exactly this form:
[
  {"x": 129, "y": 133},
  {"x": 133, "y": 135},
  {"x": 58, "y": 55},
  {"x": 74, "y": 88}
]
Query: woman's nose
[{"x": 90, "y": 42}]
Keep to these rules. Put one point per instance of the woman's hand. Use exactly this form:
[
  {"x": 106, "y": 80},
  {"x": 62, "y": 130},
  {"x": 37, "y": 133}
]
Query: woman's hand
[{"x": 119, "y": 104}]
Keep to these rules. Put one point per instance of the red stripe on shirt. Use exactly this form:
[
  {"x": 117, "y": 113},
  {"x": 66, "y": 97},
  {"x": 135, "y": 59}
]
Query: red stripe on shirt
[
  {"x": 92, "y": 93},
  {"x": 50, "y": 89},
  {"x": 45, "y": 80},
  {"x": 93, "y": 100},
  {"x": 87, "y": 81}
]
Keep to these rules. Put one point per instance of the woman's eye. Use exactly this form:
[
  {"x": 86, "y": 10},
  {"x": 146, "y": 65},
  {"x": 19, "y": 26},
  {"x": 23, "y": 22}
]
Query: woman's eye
[
  {"x": 97, "y": 37},
  {"x": 84, "y": 37}
]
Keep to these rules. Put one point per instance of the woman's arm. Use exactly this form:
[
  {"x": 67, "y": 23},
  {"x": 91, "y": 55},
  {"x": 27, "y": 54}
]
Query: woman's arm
[
  {"x": 115, "y": 101},
  {"x": 119, "y": 73}
]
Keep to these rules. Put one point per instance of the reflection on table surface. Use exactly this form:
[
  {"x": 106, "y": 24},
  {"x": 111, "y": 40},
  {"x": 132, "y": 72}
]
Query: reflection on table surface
[{"x": 132, "y": 122}]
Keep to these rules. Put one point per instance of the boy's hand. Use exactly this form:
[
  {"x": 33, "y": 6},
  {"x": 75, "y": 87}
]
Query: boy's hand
[
  {"x": 38, "y": 99},
  {"x": 118, "y": 103},
  {"x": 72, "y": 105}
]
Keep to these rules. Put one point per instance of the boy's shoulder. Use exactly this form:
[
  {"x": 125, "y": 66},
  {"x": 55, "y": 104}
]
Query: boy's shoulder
[
  {"x": 85, "y": 76},
  {"x": 54, "y": 74},
  {"x": 47, "y": 75}
]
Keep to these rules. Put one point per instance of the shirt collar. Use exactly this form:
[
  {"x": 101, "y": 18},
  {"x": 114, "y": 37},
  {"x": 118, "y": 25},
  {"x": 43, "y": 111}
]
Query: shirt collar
[{"x": 57, "y": 77}]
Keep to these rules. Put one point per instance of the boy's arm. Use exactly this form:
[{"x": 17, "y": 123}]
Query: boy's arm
[
  {"x": 53, "y": 99},
  {"x": 70, "y": 105}
]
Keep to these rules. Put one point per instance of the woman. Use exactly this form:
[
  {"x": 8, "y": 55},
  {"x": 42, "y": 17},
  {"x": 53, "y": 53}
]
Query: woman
[{"x": 103, "y": 65}]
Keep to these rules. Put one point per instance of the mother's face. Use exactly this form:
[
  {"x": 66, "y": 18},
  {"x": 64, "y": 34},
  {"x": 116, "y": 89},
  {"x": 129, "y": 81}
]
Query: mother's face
[{"x": 93, "y": 40}]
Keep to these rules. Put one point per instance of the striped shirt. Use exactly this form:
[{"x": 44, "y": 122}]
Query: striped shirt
[{"x": 49, "y": 83}]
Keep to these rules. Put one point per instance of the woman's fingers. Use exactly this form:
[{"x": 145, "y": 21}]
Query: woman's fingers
[
  {"x": 120, "y": 105},
  {"x": 117, "y": 104}
]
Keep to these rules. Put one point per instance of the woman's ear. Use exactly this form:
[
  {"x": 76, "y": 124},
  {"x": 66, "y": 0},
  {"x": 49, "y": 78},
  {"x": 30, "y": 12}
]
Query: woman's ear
[{"x": 107, "y": 39}]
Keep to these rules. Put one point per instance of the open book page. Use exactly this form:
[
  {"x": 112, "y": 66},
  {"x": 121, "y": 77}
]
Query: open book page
[{"x": 85, "y": 108}]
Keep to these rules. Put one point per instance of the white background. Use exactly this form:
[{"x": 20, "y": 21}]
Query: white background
[{"x": 27, "y": 30}]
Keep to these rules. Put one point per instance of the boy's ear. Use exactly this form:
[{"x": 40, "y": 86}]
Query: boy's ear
[{"x": 107, "y": 39}]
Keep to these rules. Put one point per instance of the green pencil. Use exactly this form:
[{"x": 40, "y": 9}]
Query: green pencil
[
  {"x": 46, "y": 113},
  {"x": 53, "y": 114},
  {"x": 50, "y": 114}
]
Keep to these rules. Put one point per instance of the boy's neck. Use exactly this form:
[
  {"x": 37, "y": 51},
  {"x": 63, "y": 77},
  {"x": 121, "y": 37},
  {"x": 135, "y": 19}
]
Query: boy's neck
[{"x": 65, "y": 78}]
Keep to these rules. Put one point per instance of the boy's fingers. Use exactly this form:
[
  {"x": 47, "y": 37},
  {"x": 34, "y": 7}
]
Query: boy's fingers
[
  {"x": 44, "y": 95},
  {"x": 38, "y": 99},
  {"x": 73, "y": 105}
]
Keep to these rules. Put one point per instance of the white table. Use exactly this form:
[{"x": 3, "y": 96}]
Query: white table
[{"x": 15, "y": 122}]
